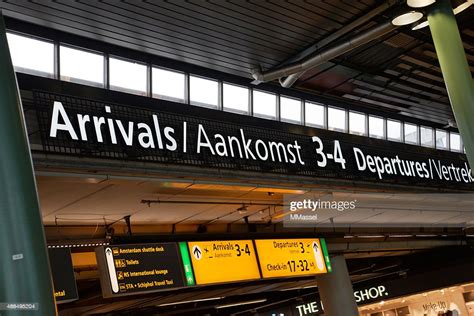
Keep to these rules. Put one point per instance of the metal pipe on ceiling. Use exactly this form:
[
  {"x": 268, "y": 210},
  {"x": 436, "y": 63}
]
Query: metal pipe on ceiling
[
  {"x": 291, "y": 79},
  {"x": 326, "y": 55}
]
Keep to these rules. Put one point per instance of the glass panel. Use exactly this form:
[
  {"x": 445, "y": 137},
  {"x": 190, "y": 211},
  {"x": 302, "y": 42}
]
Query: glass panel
[
  {"x": 426, "y": 136},
  {"x": 357, "y": 123},
  {"x": 376, "y": 127},
  {"x": 290, "y": 110},
  {"x": 203, "y": 92},
  {"x": 80, "y": 66},
  {"x": 127, "y": 76},
  {"x": 236, "y": 99},
  {"x": 411, "y": 133},
  {"x": 264, "y": 104},
  {"x": 168, "y": 85},
  {"x": 31, "y": 55},
  {"x": 315, "y": 114},
  {"x": 337, "y": 120},
  {"x": 394, "y": 130},
  {"x": 441, "y": 139},
  {"x": 455, "y": 141}
]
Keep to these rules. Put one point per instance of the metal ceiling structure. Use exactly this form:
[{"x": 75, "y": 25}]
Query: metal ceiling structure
[
  {"x": 88, "y": 200},
  {"x": 396, "y": 72}
]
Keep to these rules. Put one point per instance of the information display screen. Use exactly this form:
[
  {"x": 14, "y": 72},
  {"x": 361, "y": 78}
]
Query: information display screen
[
  {"x": 132, "y": 269},
  {"x": 290, "y": 257},
  {"x": 223, "y": 261},
  {"x": 145, "y": 268}
]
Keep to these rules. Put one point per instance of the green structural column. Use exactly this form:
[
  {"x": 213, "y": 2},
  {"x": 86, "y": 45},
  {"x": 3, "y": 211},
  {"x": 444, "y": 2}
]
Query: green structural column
[
  {"x": 24, "y": 266},
  {"x": 455, "y": 69},
  {"x": 335, "y": 289}
]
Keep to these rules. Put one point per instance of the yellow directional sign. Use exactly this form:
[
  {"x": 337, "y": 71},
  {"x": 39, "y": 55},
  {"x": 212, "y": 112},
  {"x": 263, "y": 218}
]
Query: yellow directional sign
[
  {"x": 223, "y": 261},
  {"x": 290, "y": 257}
]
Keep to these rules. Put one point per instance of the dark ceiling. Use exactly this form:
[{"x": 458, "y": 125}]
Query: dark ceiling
[{"x": 398, "y": 71}]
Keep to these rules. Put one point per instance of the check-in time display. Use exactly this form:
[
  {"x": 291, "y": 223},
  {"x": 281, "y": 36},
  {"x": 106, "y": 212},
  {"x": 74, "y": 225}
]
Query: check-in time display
[
  {"x": 223, "y": 261},
  {"x": 290, "y": 257}
]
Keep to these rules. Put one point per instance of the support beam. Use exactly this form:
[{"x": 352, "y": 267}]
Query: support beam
[
  {"x": 336, "y": 290},
  {"x": 24, "y": 266},
  {"x": 455, "y": 69}
]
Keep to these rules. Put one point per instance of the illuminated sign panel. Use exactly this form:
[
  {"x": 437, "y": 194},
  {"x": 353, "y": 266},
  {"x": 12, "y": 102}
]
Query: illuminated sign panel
[
  {"x": 130, "y": 132},
  {"x": 290, "y": 257},
  {"x": 133, "y": 269},
  {"x": 146, "y": 268},
  {"x": 223, "y": 261}
]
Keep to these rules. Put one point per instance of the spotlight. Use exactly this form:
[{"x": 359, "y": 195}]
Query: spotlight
[
  {"x": 269, "y": 223},
  {"x": 109, "y": 233},
  {"x": 201, "y": 229},
  {"x": 407, "y": 18},
  {"x": 243, "y": 209},
  {"x": 420, "y": 3}
]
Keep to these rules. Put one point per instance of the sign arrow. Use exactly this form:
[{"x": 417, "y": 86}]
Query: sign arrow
[
  {"x": 111, "y": 267},
  {"x": 318, "y": 256},
  {"x": 197, "y": 252}
]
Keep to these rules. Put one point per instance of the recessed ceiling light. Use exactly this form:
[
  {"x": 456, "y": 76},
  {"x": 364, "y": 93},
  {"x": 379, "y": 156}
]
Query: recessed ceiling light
[
  {"x": 420, "y": 3},
  {"x": 407, "y": 18}
]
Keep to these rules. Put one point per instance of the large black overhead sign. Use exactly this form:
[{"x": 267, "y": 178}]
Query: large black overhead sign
[
  {"x": 77, "y": 126},
  {"x": 65, "y": 288},
  {"x": 133, "y": 269}
]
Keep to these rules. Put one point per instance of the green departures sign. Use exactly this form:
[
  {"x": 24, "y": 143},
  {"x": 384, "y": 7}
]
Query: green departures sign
[
  {"x": 326, "y": 254},
  {"x": 188, "y": 269}
]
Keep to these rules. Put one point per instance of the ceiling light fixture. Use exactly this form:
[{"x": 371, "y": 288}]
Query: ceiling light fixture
[
  {"x": 407, "y": 18},
  {"x": 463, "y": 6},
  {"x": 420, "y": 25},
  {"x": 241, "y": 303},
  {"x": 420, "y": 3},
  {"x": 191, "y": 301}
]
